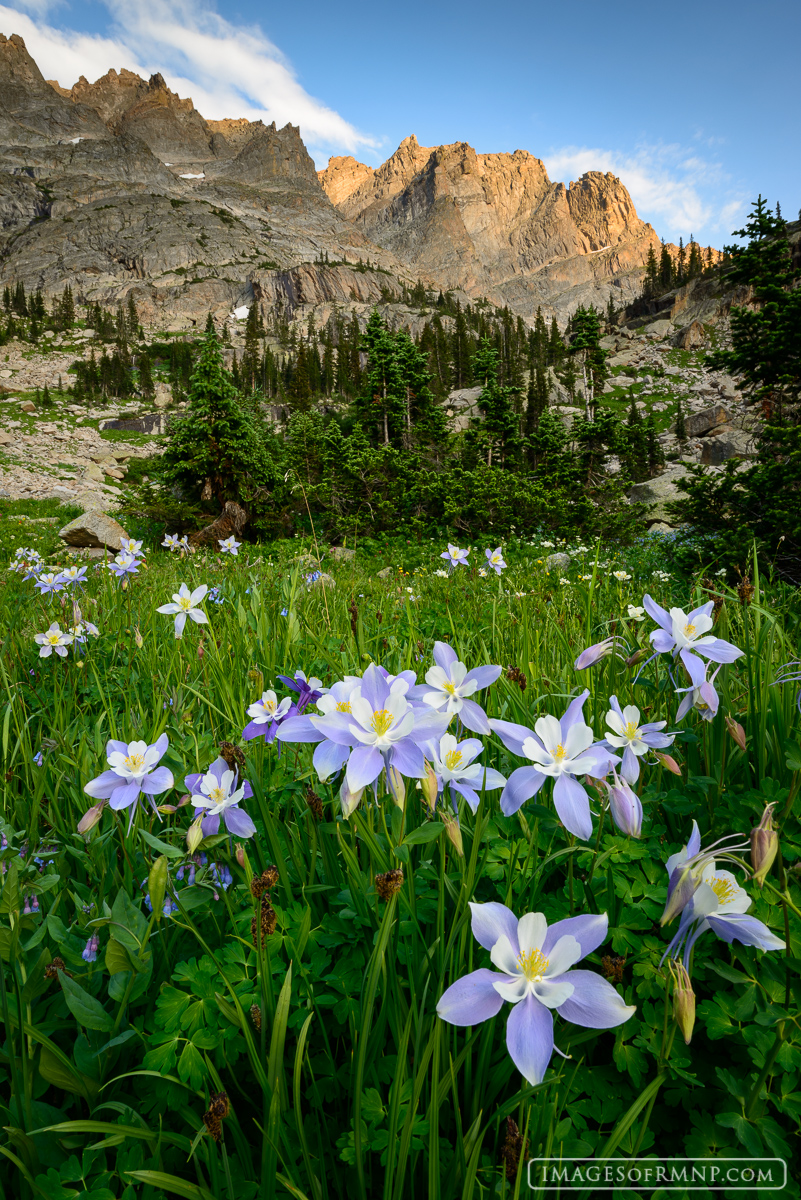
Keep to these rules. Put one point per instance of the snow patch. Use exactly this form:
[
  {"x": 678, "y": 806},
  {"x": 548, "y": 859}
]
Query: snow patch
[
  {"x": 191, "y": 176},
  {"x": 241, "y": 314}
]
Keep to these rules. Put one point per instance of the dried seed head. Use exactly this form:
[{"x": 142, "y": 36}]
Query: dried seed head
[
  {"x": 232, "y": 754},
  {"x": 315, "y": 804},
  {"x": 513, "y": 1149},
  {"x": 52, "y": 969},
  {"x": 268, "y": 921},
  {"x": 515, "y": 675},
  {"x": 219, "y": 1105},
  {"x": 612, "y": 966},
  {"x": 264, "y": 882},
  {"x": 745, "y": 590},
  {"x": 386, "y": 885},
  {"x": 255, "y": 1016},
  {"x": 213, "y": 1126}
]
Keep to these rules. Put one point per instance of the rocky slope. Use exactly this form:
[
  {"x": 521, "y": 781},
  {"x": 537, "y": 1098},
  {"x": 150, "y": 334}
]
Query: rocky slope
[
  {"x": 121, "y": 184},
  {"x": 496, "y": 226}
]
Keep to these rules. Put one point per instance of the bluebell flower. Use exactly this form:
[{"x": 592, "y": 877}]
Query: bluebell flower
[
  {"x": 89, "y": 953},
  {"x": 37, "y": 758}
]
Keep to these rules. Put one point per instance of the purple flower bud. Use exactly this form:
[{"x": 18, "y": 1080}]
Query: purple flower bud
[
  {"x": 89, "y": 953},
  {"x": 594, "y": 654},
  {"x": 624, "y": 806}
]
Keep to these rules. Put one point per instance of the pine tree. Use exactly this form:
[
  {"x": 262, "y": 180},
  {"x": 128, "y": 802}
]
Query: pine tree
[
  {"x": 249, "y": 365},
  {"x": 681, "y": 272},
  {"x": 667, "y": 274},
  {"x": 500, "y": 428},
  {"x": 680, "y": 428},
  {"x": 383, "y": 402},
  {"x": 695, "y": 265},
  {"x": 132, "y": 319},
  {"x": 218, "y": 444},
  {"x": 146, "y": 385},
  {"x": 651, "y": 281}
]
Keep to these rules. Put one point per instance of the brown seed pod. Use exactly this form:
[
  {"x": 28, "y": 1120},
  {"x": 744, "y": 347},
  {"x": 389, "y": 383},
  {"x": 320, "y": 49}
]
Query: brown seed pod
[
  {"x": 386, "y": 885},
  {"x": 268, "y": 920},
  {"x": 255, "y": 1016},
  {"x": 513, "y": 1149},
  {"x": 315, "y": 804},
  {"x": 264, "y": 882},
  {"x": 612, "y": 966},
  {"x": 232, "y": 754}
]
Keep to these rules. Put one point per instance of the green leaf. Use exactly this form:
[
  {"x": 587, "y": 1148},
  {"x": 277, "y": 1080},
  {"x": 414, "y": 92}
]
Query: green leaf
[
  {"x": 745, "y": 1131},
  {"x": 171, "y": 1184},
  {"x": 10, "y": 899},
  {"x": 118, "y": 958},
  {"x": 191, "y": 1067},
  {"x": 425, "y": 833},
  {"x": 87, "y": 1011},
  {"x": 162, "y": 847}
]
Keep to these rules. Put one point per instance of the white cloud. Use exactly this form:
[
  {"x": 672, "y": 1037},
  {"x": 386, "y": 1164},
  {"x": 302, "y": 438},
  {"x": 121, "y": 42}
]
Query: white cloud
[
  {"x": 679, "y": 192},
  {"x": 229, "y": 70}
]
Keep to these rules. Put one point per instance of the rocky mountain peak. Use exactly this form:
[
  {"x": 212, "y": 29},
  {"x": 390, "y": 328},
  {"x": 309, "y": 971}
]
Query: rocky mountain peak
[
  {"x": 31, "y": 111},
  {"x": 602, "y": 209},
  {"x": 343, "y": 176},
  {"x": 272, "y": 153}
]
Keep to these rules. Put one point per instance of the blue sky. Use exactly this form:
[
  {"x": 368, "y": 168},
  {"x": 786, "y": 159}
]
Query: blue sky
[{"x": 694, "y": 106}]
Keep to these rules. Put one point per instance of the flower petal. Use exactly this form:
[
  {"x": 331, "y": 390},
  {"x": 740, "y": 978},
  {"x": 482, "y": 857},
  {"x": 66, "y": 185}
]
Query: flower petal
[
  {"x": 529, "y": 1038},
  {"x": 521, "y": 785},
  {"x": 122, "y": 796},
  {"x": 157, "y": 781},
  {"x": 471, "y": 999},
  {"x": 594, "y": 1004},
  {"x": 364, "y": 766},
  {"x": 238, "y": 822},
  {"x": 328, "y": 758},
  {"x": 504, "y": 956},
  {"x": 589, "y": 931},
  {"x": 573, "y": 806},
  {"x": 473, "y": 717},
  {"x": 492, "y": 921},
  {"x": 102, "y": 787}
]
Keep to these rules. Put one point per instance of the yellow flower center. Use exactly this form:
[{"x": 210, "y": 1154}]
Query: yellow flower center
[
  {"x": 724, "y": 889},
  {"x": 185, "y": 603},
  {"x": 135, "y": 762},
  {"x": 453, "y": 759},
  {"x": 216, "y": 795},
  {"x": 449, "y": 688},
  {"x": 631, "y": 731},
  {"x": 560, "y": 753},
  {"x": 382, "y": 721},
  {"x": 343, "y": 706},
  {"x": 533, "y": 965},
  {"x": 689, "y": 630},
  {"x": 270, "y": 706},
  {"x": 54, "y": 639}
]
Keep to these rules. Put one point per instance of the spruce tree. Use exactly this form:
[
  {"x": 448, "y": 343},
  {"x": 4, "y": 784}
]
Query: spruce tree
[
  {"x": 146, "y": 385},
  {"x": 667, "y": 273},
  {"x": 218, "y": 444}
]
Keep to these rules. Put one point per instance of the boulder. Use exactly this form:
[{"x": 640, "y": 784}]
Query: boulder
[
  {"x": 94, "y": 474},
  {"x": 95, "y": 530},
  {"x": 557, "y": 562},
  {"x": 734, "y": 443},
  {"x": 5, "y": 438},
  {"x": 691, "y": 337},
  {"x": 660, "y": 527},
  {"x": 623, "y": 359},
  {"x": 659, "y": 329},
  {"x": 152, "y": 423},
  {"x": 28, "y": 406},
  {"x": 342, "y": 553},
  {"x": 657, "y": 493},
  {"x": 697, "y": 424},
  {"x": 386, "y": 573}
]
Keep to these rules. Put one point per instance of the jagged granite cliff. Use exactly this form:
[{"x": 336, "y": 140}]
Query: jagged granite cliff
[
  {"x": 496, "y": 226},
  {"x": 121, "y": 184}
]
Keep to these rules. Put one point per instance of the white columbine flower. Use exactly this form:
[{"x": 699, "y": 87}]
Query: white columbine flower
[
  {"x": 171, "y": 541},
  {"x": 55, "y": 639},
  {"x": 184, "y": 605},
  {"x": 621, "y": 575},
  {"x": 131, "y": 546},
  {"x": 636, "y": 614},
  {"x": 229, "y": 546}
]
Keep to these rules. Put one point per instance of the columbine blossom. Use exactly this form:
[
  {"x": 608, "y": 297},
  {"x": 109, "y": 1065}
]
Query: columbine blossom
[
  {"x": 594, "y": 654},
  {"x": 720, "y": 904},
  {"x": 701, "y": 694},
  {"x": 73, "y": 575},
  {"x": 455, "y": 556},
  {"x": 55, "y": 639},
  {"x": 686, "y": 635},
  {"x": 131, "y": 546},
  {"x": 49, "y": 583},
  {"x": 375, "y": 728},
  {"x": 495, "y": 559},
  {"x": 329, "y": 756},
  {"x": 534, "y": 975},
  {"x": 133, "y": 772},
  {"x": 229, "y": 546},
  {"x": 124, "y": 564},
  {"x": 219, "y": 792},
  {"x": 561, "y": 749},
  {"x": 625, "y": 807},
  {"x": 266, "y": 716},
  {"x": 686, "y": 869},
  {"x": 457, "y": 772},
  {"x": 635, "y": 613},
  {"x": 309, "y": 690},
  {"x": 171, "y": 541},
  {"x": 184, "y": 605},
  {"x": 449, "y": 686},
  {"x": 634, "y": 739}
]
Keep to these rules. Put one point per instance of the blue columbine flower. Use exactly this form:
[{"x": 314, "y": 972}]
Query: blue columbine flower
[
  {"x": 449, "y": 686},
  {"x": 534, "y": 975},
  {"x": 133, "y": 772},
  {"x": 218, "y": 793}
]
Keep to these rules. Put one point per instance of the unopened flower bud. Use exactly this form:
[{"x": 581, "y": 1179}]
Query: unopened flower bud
[
  {"x": 91, "y": 817},
  {"x": 200, "y": 651},
  {"x": 736, "y": 730},
  {"x": 429, "y": 786},
  {"x": 764, "y": 846},
  {"x": 194, "y": 836},
  {"x": 452, "y": 830},
  {"x": 396, "y": 787},
  {"x": 349, "y": 800},
  {"x": 683, "y": 999},
  {"x": 636, "y": 657},
  {"x": 240, "y": 854},
  {"x": 668, "y": 763},
  {"x": 624, "y": 806},
  {"x": 140, "y": 641}
]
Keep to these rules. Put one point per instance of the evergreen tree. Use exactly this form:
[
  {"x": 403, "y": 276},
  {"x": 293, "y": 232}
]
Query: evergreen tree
[
  {"x": 667, "y": 274},
  {"x": 652, "y": 279},
  {"x": 584, "y": 343},
  {"x": 680, "y": 428},
  {"x": 217, "y": 447},
  {"x": 146, "y": 385},
  {"x": 251, "y": 356},
  {"x": 383, "y": 401},
  {"x": 499, "y": 432}
]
